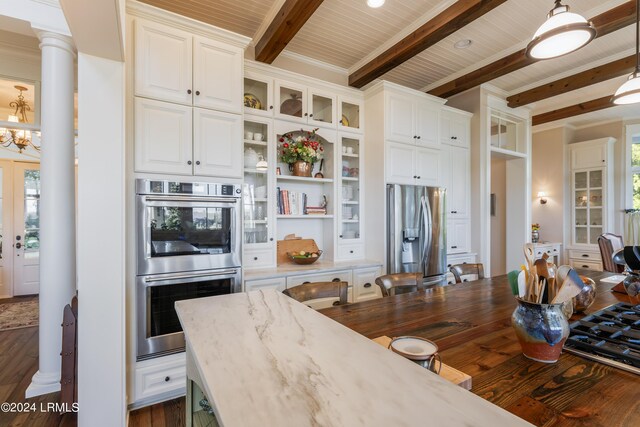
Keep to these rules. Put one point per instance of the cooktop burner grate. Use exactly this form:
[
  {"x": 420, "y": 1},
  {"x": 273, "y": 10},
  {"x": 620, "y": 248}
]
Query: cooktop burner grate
[{"x": 610, "y": 336}]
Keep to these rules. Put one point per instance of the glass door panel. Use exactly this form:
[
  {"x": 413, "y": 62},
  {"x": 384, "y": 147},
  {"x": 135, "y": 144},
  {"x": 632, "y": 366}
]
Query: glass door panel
[
  {"x": 291, "y": 102},
  {"x": 256, "y": 96},
  {"x": 255, "y": 191},
  {"x": 595, "y": 179},
  {"x": 350, "y": 183},
  {"x": 350, "y": 116},
  {"x": 581, "y": 198},
  {"x": 580, "y": 180},
  {"x": 595, "y": 198},
  {"x": 26, "y": 263},
  {"x": 581, "y": 234},
  {"x": 594, "y": 233},
  {"x": 581, "y": 216},
  {"x": 595, "y": 217},
  {"x": 322, "y": 108}
]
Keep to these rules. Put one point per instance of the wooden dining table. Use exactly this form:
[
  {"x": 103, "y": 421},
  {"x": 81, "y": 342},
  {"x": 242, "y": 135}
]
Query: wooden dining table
[{"x": 471, "y": 324}]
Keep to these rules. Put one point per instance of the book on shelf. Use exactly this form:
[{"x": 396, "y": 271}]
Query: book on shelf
[{"x": 295, "y": 203}]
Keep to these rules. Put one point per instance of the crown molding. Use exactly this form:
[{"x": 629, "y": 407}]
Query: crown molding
[
  {"x": 314, "y": 62},
  {"x": 550, "y": 126},
  {"x": 385, "y": 85},
  {"x": 142, "y": 10}
]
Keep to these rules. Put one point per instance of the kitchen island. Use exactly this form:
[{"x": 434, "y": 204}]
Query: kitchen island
[
  {"x": 471, "y": 323},
  {"x": 262, "y": 358}
]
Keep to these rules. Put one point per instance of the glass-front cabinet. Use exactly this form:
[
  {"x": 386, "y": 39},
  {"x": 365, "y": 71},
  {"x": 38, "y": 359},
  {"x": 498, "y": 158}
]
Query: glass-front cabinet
[
  {"x": 350, "y": 187},
  {"x": 588, "y": 211},
  {"x": 257, "y": 205},
  {"x": 350, "y": 114},
  {"x": 258, "y": 95}
]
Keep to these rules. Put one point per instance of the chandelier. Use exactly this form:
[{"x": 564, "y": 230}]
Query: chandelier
[{"x": 19, "y": 137}]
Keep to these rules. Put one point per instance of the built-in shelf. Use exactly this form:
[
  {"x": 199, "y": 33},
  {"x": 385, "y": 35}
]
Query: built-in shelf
[
  {"x": 350, "y": 202},
  {"x": 302, "y": 179},
  {"x": 249, "y": 202},
  {"x": 350, "y": 155},
  {"x": 255, "y": 221},
  {"x": 350, "y": 178},
  {"x": 507, "y": 154},
  {"x": 254, "y": 142},
  {"x": 248, "y": 170},
  {"x": 304, "y": 216},
  {"x": 353, "y": 221}
]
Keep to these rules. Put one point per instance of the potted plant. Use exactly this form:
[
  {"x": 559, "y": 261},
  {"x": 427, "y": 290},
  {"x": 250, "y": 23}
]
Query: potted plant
[{"x": 300, "y": 150}]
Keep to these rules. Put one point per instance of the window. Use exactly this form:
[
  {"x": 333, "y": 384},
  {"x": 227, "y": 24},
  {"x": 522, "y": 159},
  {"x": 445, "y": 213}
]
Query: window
[{"x": 635, "y": 170}]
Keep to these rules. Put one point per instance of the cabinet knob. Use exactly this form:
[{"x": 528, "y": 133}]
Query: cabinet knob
[
  {"x": 311, "y": 115},
  {"x": 255, "y": 258},
  {"x": 189, "y": 91},
  {"x": 198, "y": 162},
  {"x": 341, "y": 236},
  {"x": 415, "y": 136},
  {"x": 336, "y": 279},
  {"x": 350, "y": 252},
  {"x": 306, "y": 115},
  {"x": 167, "y": 379},
  {"x": 419, "y": 137},
  {"x": 197, "y": 92},
  {"x": 367, "y": 285},
  {"x": 418, "y": 177},
  {"x": 271, "y": 239},
  {"x": 270, "y": 107},
  {"x": 189, "y": 162},
  {"x": 448, "y": 265}
]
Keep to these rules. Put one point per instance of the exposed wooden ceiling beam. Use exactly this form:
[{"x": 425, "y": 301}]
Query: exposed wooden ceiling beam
[
  {"x": 605, "y": 23},
  {"x": 586, "y": 78},
  {"x": 444, "y": 24},
  {"x": 285, "y": 25},
  {"x": 574, "y": 110}
]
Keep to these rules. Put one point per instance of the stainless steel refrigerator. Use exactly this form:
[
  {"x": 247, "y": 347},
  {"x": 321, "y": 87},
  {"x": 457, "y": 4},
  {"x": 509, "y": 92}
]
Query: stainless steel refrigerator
[{"x": 416, "y": 238}]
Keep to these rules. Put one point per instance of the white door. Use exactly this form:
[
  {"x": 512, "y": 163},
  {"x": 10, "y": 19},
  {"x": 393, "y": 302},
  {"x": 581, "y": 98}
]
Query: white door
[
  {"x": 400, "y": 163},
  {"x": 428, "y": 167},
  {"x": 26, "y": 233},
  {"x": 217, "y": 143},
  {"x": 217, "y": 75},
  {"x": 162, "y": 62},
  {"x": 163, "y": 137},
  {"x": 6, "y": 230},
  {"x": 427, "y": 124},
  {"x": 400, "y": 120},
  {"x": 459, "y": 184}
]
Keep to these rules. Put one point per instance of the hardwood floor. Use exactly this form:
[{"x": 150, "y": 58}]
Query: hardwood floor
[
  {"x": 165, "y": 414},
  {"x": 19, "y": 361}
]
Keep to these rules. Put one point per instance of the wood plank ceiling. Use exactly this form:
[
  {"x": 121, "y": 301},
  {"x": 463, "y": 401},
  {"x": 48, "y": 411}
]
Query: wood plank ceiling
[{"x": 348, "y": 34}]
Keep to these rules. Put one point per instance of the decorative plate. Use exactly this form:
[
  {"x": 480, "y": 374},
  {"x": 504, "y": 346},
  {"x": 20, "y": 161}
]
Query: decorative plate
[
  {"x": 292, "y": 107},
  {"x": 252, "y": 101},
  {"x": 344, "y": 120}
]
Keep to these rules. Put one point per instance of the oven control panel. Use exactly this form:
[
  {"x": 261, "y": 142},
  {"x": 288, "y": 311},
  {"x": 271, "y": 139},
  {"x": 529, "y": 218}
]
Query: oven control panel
[{"x": 149, "y": 186}]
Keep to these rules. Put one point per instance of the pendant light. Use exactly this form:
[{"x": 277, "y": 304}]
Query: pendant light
[
  {"x": 562, "y": 33},
  {"x": 629, "y": 92}
]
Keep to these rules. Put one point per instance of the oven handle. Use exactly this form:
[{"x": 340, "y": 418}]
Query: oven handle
[
  {"x": 199, "y": 199},
  {"x": 190, "y": 276}
]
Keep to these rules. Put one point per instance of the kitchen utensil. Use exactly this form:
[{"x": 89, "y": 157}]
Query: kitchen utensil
[
  {"x": 571, "y": 286},
  {"x": 529, "y": 255},
  {"x": 513, "y": 281},
  {"x": 319, "y": 174},
  {"x": 522, "y": 284}
]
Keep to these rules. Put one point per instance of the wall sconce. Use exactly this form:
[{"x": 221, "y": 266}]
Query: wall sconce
[{"x": 543, "y": 197}]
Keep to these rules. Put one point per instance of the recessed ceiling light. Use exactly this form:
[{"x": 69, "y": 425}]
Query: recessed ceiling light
[
  {"x": 462, "y": 44},
  {"x": 375, "y": 3}
]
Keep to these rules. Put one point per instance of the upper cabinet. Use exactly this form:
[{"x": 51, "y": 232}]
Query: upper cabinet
[
  {"x": 173, "y": 65},
  {"x": 454, "y": 128},
  {"x": 588, "y": 156},
  {"x": 412, "y": 120}
]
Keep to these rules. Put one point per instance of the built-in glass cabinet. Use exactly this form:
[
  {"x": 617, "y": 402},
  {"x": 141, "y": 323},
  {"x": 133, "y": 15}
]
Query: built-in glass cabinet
[
  {"x": 257, "y": 209},
  {"x": 350, "y": 166},
  {"x": 587, "y": 206}
]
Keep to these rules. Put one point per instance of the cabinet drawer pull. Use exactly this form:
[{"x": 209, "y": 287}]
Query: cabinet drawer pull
[
  {"x": 418, "y": 176},
  {"x": 167, "y": 379},
  {"x": 367, "y": 285},
  {"x": 454, "y": 212},
  {"x": 585, "y": 266},
  {"x": 306, "y": 114},
  {"x": 336, "y": 279},
  {"x": 304, "y": 283},
  {"x": 454, "y": 247},
  {"x": 585, "y": 255},
  {"x": 555, "y": 250}
]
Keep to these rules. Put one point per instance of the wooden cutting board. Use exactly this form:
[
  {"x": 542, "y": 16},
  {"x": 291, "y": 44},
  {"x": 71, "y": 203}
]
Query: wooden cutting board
[
  {"x": 446, "y": 372},
  {"x": 294, "y": 245}
]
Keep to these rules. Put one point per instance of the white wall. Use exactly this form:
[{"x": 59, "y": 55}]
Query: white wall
[{"x": 499, "y": 221}]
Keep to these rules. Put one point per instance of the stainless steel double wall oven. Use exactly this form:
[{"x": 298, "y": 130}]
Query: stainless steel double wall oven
[{"x": 188, "y": 246}]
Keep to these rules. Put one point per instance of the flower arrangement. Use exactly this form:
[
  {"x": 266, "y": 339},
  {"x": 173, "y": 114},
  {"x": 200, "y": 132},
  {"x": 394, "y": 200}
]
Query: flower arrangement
[
  {"x": 535, "y": 227},
  {"x": 304, "y": 146}
]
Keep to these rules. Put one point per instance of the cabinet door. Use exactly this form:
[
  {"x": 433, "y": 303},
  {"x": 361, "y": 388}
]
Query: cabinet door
[
  {"x": 589, "y": 157},
  {"x": 399, "y": 163},
  {"x": 321, "y": 108},
  {"x": 350, "y": 114},
  {"x": 427, "y": 124},
  {"x": 162, "y": 62},
  {"x": 364, "y": 284},
  {"x": 277, "y": 283},
  {"x": 217, "y": 75},
  {"x": 428, "y": 166},
  {"x": 400, "y": 122},
  {"x": 459, "y": 172},
  {"x": 291, "y": 101},
  {"x": 445, "y": 172},
  {"x": 162, "y": 137},
  {"x": 459, "y": 132},
  {"x": 217, "y": 143},
  {"x": 258, "y": 94},
  {"x": 446, "y": 126},
  {"x": 458, "y": 236}
]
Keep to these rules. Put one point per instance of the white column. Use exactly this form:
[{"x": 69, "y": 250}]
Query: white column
[{"x": 57, "y": 205}]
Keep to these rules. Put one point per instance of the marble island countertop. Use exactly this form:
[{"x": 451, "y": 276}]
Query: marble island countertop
[
  {"x": 264, "y": 359},
  {"x": 320, "y": 266}
]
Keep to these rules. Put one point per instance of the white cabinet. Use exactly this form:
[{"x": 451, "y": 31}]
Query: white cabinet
[
  {"x": 173, "y": 138},
  {"x": 454, "y": 129},
  {"x": 278, "y": 283},
  {"x": 163, "y": 133},
  {"x": 585, "y": 259},
  {"x": 456, "y": 175},
  {"x": 162, "y": 377},
  {"x": 258, "y": 94},
  {"x": 589, "y": 156},
  {"x": 216, "y": 143},
  {"x": 364, "y": 284},
  {"x": 217, "y": 75},
  {"x": 163, "y": 62},
  {"x": 411, "y": 165},
  {"x": 412, "y": 120},
  {"x": 350, "y": 114},
  {"x": 458, "y": 236},
  {"x": 173, "y": 65},
  {"x": 308, "y": 105},
  {"x": 553, "y": 250},
  {"x": 455, "y": 260}
]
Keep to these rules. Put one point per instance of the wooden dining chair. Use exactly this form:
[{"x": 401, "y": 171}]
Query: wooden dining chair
[
  {"x": 460, "y": 270},
  {"x": 399, "y": 283},
  {"x": 315, "y": 290},
  {"x": 609, "y": 243}
]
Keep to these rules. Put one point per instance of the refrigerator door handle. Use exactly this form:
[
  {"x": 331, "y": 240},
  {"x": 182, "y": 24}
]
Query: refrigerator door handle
[{"x": 428, "y": 232}]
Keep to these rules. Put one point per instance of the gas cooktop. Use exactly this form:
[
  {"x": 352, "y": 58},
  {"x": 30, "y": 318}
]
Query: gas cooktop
[{"x": 610, "y": 336}]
